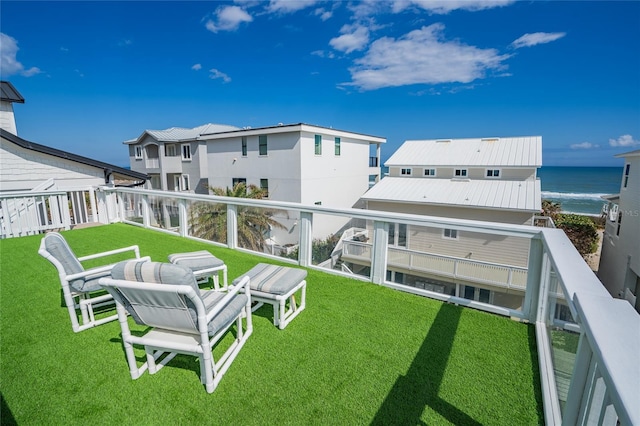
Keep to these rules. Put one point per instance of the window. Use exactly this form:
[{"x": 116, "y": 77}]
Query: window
[
  {"x": 185, "y": 183},
  {"x": 186, "y": 152},
  {"x": 626, "y": 175},
  {"x": 244, "y": 146},
  {"x": 155, "y": 182},
  {"x": 138, "y": 152},
  {"x": 170, "y": 150},
  {"x": 262, "y": 145},
  {"x": 493, "y": 173},
  {"x": 236, "y": 181},
  {"x": 430, "y": 172},
  {"x": 450, "y": 234},
  {"x": 264, "y": 185},
  {"x": 397, "y": 234},
  {"x": 405, "y": 172},
  {"x": 460, "y": 173},
  {"x": 318, "y": 145},
  {"x": 619, "y": 223},
  {"x": 337, "y": 146}
]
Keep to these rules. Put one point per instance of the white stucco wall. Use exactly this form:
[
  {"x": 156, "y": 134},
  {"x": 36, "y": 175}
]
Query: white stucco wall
[{"x": 22, "y": 169}]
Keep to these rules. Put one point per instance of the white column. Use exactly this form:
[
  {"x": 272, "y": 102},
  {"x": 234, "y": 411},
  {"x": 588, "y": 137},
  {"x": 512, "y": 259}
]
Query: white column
[{"x": 379, "y": 252}]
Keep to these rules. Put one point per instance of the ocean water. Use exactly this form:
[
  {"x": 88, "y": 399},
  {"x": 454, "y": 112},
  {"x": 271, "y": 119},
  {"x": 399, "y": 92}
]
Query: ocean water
[{"x": 578, "y": 189}]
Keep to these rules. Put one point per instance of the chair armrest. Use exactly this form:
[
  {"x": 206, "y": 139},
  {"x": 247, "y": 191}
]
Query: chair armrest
[
  {"x": 243, "y": 286},
  {"x": 98, "y": 271},
  {"x": 135, "y": 249}
]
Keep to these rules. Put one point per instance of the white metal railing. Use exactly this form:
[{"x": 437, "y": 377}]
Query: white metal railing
[
  {"x": 601, "y": 386},
  {"x": 506, "y": 276},
  {"x": 32, "y": 212}
]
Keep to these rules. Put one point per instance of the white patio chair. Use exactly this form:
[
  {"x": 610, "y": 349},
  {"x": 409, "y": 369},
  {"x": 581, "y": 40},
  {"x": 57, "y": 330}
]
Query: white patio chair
[
  {"x": 184, "y": 319},
  {"x": 80, "y": 287}
]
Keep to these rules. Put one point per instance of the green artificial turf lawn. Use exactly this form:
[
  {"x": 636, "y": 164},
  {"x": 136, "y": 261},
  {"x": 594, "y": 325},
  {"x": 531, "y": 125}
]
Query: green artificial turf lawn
[{"x": 359, "y": 354}]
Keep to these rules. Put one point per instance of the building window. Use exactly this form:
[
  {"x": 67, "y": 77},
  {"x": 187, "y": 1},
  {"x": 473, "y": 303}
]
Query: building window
[
  {"x": 138, "y": 152},
  {"x": 264, "y": 185},
  {"x": 262, "y": 144},
  {"x": 626, "y": 175},
  {"x": 155, "y": 182},
  {"x": 450, "y": 234},
  {"x": 186, "y": 152},
  {"x": 170, "y": 150},
  {"x": 405, "y": 172},
  {"x": 613, "y": 212},
  {"x": 460, "y": 173},
  {"x": 397, "y": 235},
  {"x": 337, "y": 146},
  {"x": 493, "y": 173},
  {"x": 236, "y": 181},
  {"x": 318, "y": 145},
  {"x": 619, "y": 223},
  {"x": 185, "y": 183},
  {"x": 244, "y": 146},
  {"x": 430, "y": 172}
]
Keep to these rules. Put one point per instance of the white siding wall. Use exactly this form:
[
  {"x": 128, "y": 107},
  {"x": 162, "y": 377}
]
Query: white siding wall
[
  {"x": 623, "y": 249},
  {"x": 21, "y": 169},
  {"x": 7, "y": 119}
]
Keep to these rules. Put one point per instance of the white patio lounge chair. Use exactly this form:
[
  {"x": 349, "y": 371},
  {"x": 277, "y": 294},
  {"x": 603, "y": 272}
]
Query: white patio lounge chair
[
  {"x": 183, "y": 318},
  {"x": 80, "y": 287}
]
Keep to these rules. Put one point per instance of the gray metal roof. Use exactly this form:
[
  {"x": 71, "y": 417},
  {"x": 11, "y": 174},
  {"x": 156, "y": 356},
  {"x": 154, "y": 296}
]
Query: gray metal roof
[
  {"x": 178, "y": 134},
  {"x": 8, "y": 93},
  {"x": 494, "y": 194},
  {"x": 504, "y": 152}
]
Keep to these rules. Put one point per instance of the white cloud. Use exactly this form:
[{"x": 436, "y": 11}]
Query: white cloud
[
  {"x": 531, "y": 39},
  {"x": 228, "y": 18},
  {"x": 323, "y": 54},
  {"x": 215, "y": 74},
  {"x": 289, "y": 6},
  {"x": 584, "y": 145},
  {"x": 422, "y": 57},
  {"x": 9, "y": 64},
  {"x": 196, "y": 67},
  {"x": 624, "y": 140},
  {"x": 323, "y": 14},
  {"x": 443, "y": 7},
  {"x": 354, "y": 37}
]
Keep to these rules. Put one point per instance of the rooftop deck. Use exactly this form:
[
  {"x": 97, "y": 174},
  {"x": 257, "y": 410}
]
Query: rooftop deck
[{"x": 359, "y": 354}]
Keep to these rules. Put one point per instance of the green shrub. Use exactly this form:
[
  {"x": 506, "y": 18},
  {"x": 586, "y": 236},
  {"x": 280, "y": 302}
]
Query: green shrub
[{"x": 581, "y": 230}]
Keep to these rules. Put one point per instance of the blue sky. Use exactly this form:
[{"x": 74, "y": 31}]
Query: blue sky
[{"x": 97, "y": 73}]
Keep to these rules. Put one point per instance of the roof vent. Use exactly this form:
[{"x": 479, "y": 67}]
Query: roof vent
[
  {"x": 490, "y": 139},
  {"x": 280, "y": 124},
  {"x": 443, "y": 140}
]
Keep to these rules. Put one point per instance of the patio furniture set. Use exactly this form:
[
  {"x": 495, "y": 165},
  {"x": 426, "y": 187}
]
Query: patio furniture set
[{"x": 181, "y": 317}]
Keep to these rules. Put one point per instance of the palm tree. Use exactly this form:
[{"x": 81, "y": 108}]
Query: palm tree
[{"x": 209, "y": 221}]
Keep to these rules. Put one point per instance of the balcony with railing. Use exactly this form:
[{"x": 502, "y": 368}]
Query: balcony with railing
[{"x": 585, "y": 343}]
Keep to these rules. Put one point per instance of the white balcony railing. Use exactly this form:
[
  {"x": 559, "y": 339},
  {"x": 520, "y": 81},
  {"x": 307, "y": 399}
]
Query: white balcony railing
[{"x": 599, "y": 376}]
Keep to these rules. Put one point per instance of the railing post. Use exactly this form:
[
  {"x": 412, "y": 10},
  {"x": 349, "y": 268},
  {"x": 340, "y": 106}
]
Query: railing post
[
  {"x": 64, "y": 212},
  {"x": 578, "y": 385},
  {"x": 379, "y": 252},
  {"x": 534, "y": 276},
  {"x": 232, "y": 226},
  {"x": 92, "y": 202},
  {"x": 145, "y": 210},
  {"x": 306, "y": 238},
  {"x": 120, "y": 203},
  {"x": 182, "y": 215}
]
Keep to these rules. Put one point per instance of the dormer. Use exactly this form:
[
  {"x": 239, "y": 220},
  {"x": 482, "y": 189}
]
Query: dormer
[{"x": 8, "y": 95}]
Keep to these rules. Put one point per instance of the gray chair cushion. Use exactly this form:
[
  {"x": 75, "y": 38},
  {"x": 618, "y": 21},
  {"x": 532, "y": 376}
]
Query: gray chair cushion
[
  {"x": 57, "y": 246},
  {"x": 168, "y": 273},
  {"x": 273, "y": 279},
  {"x": 196, "y": 260}
]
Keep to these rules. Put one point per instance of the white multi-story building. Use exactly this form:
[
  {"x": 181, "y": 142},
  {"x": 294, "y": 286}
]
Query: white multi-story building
[
  {"x": 619, "y": 268},
  {"x": 300, "y": 163},
  {"x": 489, "y": 179}
]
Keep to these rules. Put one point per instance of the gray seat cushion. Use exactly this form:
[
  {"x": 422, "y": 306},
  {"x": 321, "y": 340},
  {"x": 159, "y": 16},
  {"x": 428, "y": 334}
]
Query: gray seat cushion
[
  {"x": 57, "y": 246},
  {"x": 196, "y": 260},
  {"x": 273, "y": 279}
]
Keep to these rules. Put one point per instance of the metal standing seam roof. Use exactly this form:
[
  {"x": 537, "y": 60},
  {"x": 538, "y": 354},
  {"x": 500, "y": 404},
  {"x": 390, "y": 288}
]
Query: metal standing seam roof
[
  {"x": 493, "y": 194},
  {"x": 8, "y": 93},
  {"x": 504, "y": 152},
  {"x": 177, "y": 134}
]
